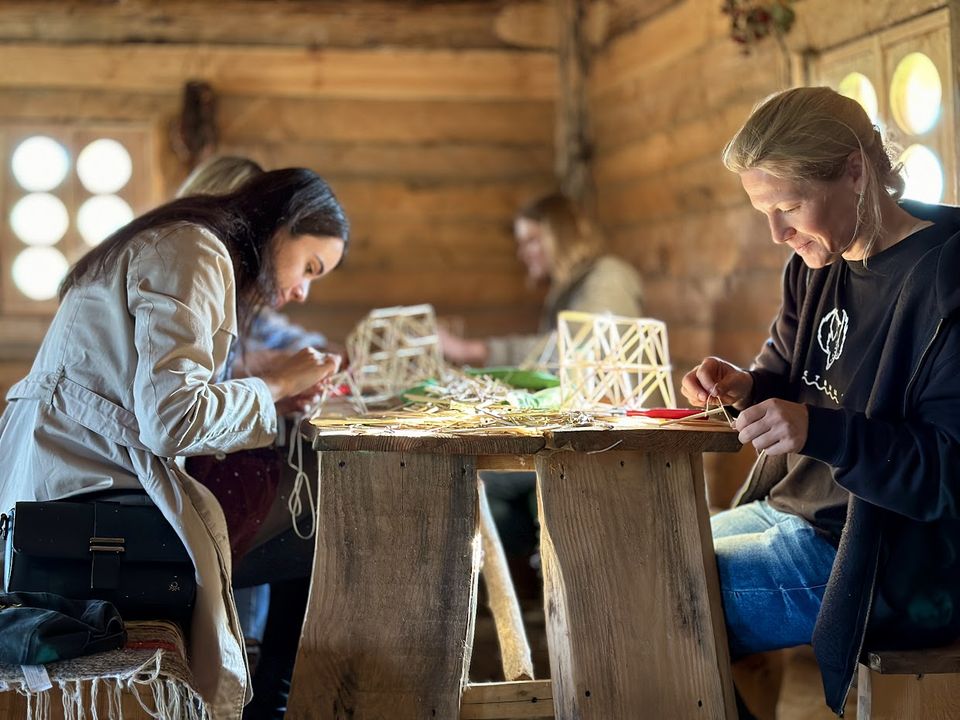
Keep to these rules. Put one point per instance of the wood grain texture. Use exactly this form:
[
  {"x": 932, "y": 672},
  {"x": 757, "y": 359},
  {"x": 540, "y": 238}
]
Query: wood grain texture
[
  {"x": 895, "y": 697},
  {"x": 671, "y": 439},
  {"x": 328, "y": 23},
  {"x": 819, "y": 27},
  {"x": 632, "y": 613},
  {"x": 392, "y": 603},
  {"x": 911, "y": 662},
  {"x": 452, "y": 162},
  {"x": 246, "y": 117},
  {"x": 508, "y": 701},
  {"x": 290, "y": 72},
  {"x": 572, "y": 127},
  {"x": 427, "y": 442},
  {"x": 511, "y": 635},
  {"x": 675, "y": 438}
]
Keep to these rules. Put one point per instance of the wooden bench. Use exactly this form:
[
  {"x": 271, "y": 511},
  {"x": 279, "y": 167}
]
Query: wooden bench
[
  {"x": 909, "y": 684},
  {"x": 148, "y": 678}
]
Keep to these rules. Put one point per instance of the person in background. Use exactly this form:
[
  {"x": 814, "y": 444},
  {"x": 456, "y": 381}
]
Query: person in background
[
  {"x": 847, "y": 529},
  {"x": 558, "y": 247},
  {"x": 254, "y": 486},
  {"x": 129, "y": 379}
]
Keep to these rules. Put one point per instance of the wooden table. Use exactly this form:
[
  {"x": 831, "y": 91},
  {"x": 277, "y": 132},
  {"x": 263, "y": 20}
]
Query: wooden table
[{"x": 632, "y": 604}]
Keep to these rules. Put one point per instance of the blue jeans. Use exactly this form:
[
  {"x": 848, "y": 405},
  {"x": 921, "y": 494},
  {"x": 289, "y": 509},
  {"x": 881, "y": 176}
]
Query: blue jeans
[{"x": 773, "y": 570}]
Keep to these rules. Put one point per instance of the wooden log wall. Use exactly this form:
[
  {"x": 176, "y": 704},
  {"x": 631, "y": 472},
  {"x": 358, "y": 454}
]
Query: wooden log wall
[
  {"x": 433, "y": 122},
  {"x": 667, "y": 90}
]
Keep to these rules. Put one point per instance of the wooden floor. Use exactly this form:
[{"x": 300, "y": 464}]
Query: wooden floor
[{"x": 801, "y": 695}]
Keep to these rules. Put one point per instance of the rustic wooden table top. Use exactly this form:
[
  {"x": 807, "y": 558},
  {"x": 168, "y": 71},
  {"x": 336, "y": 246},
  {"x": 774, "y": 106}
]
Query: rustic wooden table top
[{"x": 467, "y": 434}]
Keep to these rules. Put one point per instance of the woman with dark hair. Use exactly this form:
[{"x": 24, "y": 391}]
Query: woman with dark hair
[
  {"x": 272, "y": 561},
  {"x": 127, "y": 381}
]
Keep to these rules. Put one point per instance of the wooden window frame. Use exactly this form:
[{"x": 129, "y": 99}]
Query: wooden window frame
[
  {"x": 877, "y": 56},
  {"x": 23, "y": 321}
]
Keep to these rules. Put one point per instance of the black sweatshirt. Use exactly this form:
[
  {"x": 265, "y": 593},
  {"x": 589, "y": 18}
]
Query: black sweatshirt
[
  {"x": 853, "y": 320},
  {"x": 898, "y": 457}
]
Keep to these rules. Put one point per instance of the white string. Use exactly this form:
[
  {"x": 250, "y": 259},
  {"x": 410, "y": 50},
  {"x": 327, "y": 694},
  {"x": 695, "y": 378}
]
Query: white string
[{"x": 300, "y": 481}]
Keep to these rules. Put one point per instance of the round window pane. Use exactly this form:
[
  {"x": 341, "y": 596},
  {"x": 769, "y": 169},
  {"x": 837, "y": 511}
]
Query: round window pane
[
  {"x": 101, "y": 215},
  {"x": 37, "y": 272},
  {"x": 857, "y": 86},
  {"x": 104, "y": 166},
  {"x": 924, "y": 174},
  {"x": 915, "y": 94},
  {"x": 39, "y": 219},
  {"x": 40, "y": 163}
]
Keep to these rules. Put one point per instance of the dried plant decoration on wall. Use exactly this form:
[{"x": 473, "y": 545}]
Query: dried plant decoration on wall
[
  {"x": 753, "y": 20},
  {"x": 620, "y": 361}
]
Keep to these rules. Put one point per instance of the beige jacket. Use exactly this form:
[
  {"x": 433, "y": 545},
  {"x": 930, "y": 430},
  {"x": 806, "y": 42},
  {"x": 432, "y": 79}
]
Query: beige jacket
[
  {"x": 606, "y": 284},
  {"x": 125, "y": 383}
]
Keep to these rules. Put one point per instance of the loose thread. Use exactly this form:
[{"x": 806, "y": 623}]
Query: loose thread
[
  {"x": 606, "y": 449},
  {"x": 301, "y": 481}
]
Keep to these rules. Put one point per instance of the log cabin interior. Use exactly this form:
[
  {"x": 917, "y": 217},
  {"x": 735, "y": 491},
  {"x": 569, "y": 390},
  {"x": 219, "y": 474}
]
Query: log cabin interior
[{"x": 434, "y": 120}]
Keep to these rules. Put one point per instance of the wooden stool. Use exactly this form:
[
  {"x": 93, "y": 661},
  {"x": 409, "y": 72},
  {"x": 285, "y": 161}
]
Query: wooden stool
[
  {"x": 147, "y": 679},
  {"x": 909, "y": 684}
]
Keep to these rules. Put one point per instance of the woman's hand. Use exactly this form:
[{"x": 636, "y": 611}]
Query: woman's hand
[
  {"x": 298, "y": 404},
  {"x": 716, "y": 378},
  {"x": 301, "y": 374},
  {"x": 775, "y": 426},
  {"x": 462, "y": 351}
]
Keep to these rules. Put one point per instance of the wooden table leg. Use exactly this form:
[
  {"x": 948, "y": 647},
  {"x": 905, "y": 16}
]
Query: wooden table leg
[
  {"x": 389, "y": 624},
  {"x": 634, "y": 623}
]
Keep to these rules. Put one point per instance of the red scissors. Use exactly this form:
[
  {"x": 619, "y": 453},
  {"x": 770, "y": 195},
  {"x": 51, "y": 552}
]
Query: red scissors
[
  {"x": 663, "y": 413},
  {"x": 674, "y": 413}
]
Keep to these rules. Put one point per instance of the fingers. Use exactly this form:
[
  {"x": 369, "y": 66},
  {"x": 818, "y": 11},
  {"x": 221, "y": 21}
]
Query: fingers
[
  {"x": 693, "y": 390},
  {"x": 776, "y": 426},
  {"x": 713, "y": 378}
]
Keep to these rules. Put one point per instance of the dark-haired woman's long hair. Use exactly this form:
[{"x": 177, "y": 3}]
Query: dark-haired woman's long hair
[{"x": 245, "y": 221}]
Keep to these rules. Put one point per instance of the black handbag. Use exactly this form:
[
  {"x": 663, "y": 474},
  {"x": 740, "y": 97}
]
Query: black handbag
[{"x": 127, "y": 554}]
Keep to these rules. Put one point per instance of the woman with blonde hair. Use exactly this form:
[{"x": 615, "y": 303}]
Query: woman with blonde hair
[
  {"x": 846, "y": 531},
  {"x": 557, "y": 246}
]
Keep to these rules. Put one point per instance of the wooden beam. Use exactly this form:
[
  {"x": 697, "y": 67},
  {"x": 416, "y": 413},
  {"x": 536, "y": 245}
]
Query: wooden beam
[
  {"x": 664, "y": 149},
  {"x": 573, "y": 143},
  {"x": 913, "y": 662},
  {"x": 700, "y": 84},
  {"x": 286, "y": 72},
  {"x": 634, "y": 623},
  {"x": 700, "y": 186},
  {"x": 272, "y": 119},
  {"x": 507, "y": 701},
  {"x": 616, "y": 17},
  {"x": 384, "y": 287},
  {"x": 515, "y": 655},
  {"x": 463, "y": 201},
  {"x": 389, "y": 629},
  {"x": 529, "y": 24},
  {"x": 819, "y": 26},
  {"x": 674, "y": 34},
  {"x": 383, "y": 161},
  {"x": 320, "y": 23}
]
